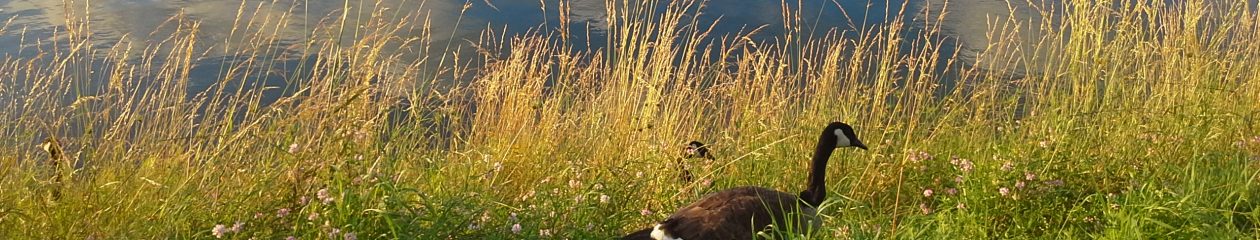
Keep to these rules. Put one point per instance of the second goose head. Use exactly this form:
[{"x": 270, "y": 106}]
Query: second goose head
[{"x": 694, "y": 149}]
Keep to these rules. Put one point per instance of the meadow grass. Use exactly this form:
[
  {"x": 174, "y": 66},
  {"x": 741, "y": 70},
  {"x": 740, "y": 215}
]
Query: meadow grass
[{"x": 1134, "y": 119}]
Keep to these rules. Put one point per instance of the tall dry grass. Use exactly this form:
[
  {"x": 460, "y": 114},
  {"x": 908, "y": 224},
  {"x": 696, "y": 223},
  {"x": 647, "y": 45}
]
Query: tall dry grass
[{"x": 1129, "y": 119}]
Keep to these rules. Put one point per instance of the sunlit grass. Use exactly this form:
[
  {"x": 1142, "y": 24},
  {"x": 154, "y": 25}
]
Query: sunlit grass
[{"x": 1140, "y": 123}]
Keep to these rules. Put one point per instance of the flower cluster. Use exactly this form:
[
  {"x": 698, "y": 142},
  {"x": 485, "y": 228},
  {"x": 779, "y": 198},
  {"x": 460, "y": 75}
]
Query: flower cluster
[
  {"x": 324, "y": 196},
  {"x": 1250, "y": 145},
  {"x": 917, "y": 156},
  {"x": 940, "y": 190},
  {"x": 962, "y": 163},
  {"x": 516, "y": 225},
  {"x": 1013, "y": 180},
  {"x": 220, "y": 230}
]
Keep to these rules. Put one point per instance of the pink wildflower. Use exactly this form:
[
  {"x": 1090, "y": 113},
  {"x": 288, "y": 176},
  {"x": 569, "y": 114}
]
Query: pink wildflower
[
  {"x": 917, "y": 156},
  {"x": 219, "y": 230},
  {"x": 324, "y": 196},
  {"x": 1055, "y": 183},
  {"x": 962, "y": 163}
]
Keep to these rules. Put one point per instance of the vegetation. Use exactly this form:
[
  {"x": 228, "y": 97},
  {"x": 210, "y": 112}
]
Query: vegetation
[{"x": 1128, "y": 119}]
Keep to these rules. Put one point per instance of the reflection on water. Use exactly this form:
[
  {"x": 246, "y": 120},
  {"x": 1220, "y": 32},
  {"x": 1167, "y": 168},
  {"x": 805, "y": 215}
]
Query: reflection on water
[
  {"x": 453, "y": 24},
  {"x": 142, "y": 21}
]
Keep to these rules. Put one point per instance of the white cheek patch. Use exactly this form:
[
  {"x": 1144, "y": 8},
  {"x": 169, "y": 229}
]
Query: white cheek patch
[
  {"x": 841, "y": 139},
  {"x": 660, "y": 234}
]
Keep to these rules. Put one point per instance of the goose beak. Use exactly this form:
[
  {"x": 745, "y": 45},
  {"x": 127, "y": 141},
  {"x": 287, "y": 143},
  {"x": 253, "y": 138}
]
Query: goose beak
[{"x": 859, "y": 144}]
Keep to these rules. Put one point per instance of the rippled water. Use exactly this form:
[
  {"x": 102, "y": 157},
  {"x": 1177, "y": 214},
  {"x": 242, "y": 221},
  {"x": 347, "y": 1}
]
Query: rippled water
[
  {"x": 137, "y": 20},
  {"x": 145, "y": 22}
]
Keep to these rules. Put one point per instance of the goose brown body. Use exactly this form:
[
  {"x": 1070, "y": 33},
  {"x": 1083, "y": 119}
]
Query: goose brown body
[{"x": 738, "y": 213}]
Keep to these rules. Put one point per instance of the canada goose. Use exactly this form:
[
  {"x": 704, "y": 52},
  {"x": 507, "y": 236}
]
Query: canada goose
[
  {"x": 55, "y": 157},
  {"x": 727, "y": 214},
  {"x": 694, "y": 149}
]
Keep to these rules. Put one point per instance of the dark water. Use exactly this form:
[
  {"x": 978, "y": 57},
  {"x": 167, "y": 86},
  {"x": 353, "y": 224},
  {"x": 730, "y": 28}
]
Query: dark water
[
  {"x": 37, "y": 23},
  {"x": 38, "y": 27},
  {"x": 146, "y": 21},
  {"x": 142, "y": 21}
]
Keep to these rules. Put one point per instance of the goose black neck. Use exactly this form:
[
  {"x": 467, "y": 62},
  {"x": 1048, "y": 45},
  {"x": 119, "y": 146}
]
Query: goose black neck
[
  {"x": 686, "y": 174},
  {"x": 817, "y": 189}
]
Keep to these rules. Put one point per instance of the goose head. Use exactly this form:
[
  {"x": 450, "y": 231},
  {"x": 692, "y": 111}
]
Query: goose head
[
  {"x": 841, "y": 135},
  {"x": 695, "y": 149}
]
